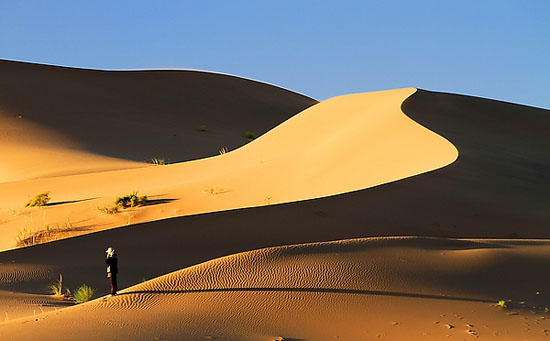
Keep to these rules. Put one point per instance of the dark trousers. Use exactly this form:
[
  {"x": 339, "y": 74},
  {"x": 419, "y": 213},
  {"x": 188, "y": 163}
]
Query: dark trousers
[{"x": 112, "y": 280}]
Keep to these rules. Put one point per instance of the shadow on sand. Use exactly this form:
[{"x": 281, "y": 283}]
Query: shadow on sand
[{"x": 312, "y": 290}]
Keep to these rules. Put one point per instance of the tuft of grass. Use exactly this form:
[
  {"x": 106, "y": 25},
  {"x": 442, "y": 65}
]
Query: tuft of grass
[
  {"x": 108, "y": 210},
  {"x": 83, "y": 294},
  {"x": 157, "y": 161},
  {"x": 250, "y": 135},
  {"x": 131, "y": 200},
  {"x": 202, "y": 128},
  {"x": 39, "y": 200},
  {"x": 49, "y": 233},
  {"x": 56, "y": 288},
  {"x": 223, "y": 150},
  {"x": 501, "y": 304}
]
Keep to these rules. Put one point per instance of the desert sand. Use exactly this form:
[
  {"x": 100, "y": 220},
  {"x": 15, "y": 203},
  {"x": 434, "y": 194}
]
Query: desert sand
[{"x": 255, "y": 243}]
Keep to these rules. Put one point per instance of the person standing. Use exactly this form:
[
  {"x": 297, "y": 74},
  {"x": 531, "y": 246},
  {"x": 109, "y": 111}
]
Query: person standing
[{"x": 112, "y": 269}]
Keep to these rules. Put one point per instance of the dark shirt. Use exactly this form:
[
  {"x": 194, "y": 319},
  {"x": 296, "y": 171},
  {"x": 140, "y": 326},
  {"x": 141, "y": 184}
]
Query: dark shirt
[{"x": 112, "y": 263}]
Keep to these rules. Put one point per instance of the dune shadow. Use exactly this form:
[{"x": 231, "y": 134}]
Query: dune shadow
[
  {"x": 313, "y": 290},
  {"x": 68, "y": 202},
  {"x": 158, "y": 201}
]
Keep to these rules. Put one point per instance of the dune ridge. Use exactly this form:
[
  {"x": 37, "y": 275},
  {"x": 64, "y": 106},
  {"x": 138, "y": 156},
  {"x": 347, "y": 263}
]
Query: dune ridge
[
  {"x": 264, "y": 294},
  {"x": 72, "y": 121},
  {"x": 217, "y": 240},
  {"x": 252, "y": 175}
]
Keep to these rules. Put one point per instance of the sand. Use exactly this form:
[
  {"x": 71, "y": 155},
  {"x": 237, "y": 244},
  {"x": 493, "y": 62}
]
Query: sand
[
  {"x": 395, "y": 288},
  {"x": 252, "y": 175},
  {"x": 57, "y": 121},
  {"x": 267, "y": 242}
]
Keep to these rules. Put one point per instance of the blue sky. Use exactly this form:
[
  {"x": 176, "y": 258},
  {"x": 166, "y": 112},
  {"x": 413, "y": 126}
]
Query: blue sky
[{"x": 495, "y": 49}]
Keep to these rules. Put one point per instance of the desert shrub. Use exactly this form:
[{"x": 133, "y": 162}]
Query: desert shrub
[
  {"x": 223, "y": 150},
  {"x": 157, "y": 161},
  {"x": 83, "y": 294},
  {"x": 56, "y": 288},
  {"x": 131, "y": 200},
  {"x": 49, "y": 233},
  {"x": 39, "y": 200},
  {"x": 501, "y": 304},
  {"x": 202, "y": 128},
  {"x": 108, "y": 210},
  {"x": 250, "y": 135}
]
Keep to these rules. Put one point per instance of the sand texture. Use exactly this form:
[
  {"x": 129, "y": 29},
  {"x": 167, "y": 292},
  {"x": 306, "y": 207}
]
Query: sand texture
[
  {"x": 395, "y": 288},
  {"x": 57, "y": 121},
  {"x": 390, "y": 215},
  {"x": 252, "y": 175}
]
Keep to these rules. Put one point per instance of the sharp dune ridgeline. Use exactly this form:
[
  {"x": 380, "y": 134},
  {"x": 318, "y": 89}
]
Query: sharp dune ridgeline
[
  {"x": 60, "y": 121},
  {"x": 268, "y": 241}
]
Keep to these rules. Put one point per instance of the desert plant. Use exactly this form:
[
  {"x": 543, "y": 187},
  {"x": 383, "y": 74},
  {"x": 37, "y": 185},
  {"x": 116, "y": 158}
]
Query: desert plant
[
  {"x": 202, "y": 128},
  {"x": 223, "y": 150},
  {"x": 39, "y": 200},
  {"x": 501, "y": 304},
  {"x": 56, "y": 288},
  {"x": 157, "y": 161},
  {"x": 29, "y": 237},
  {"x": 108, "y": 210},
  {"x": 250, "y": 135},
  {"x": 83, "y": 294},
  {"x": 131, "y": 200}
]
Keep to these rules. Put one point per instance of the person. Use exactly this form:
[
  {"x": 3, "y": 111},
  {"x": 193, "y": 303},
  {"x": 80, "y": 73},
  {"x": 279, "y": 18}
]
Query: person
[{"x": 112, "y": 269}]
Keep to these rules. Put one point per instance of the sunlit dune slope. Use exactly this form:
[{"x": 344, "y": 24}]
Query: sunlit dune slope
[
  {"x": 344, "y": 144},
  {"x": 56, "y": 120},
  {"x": 396, "y": 288}
]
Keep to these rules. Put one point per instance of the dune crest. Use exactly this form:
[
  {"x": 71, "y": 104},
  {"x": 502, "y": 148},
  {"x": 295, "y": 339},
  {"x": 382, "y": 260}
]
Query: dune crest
[
  {"x": 351, "y": 289},
  {"x": 344, "y": 144}
]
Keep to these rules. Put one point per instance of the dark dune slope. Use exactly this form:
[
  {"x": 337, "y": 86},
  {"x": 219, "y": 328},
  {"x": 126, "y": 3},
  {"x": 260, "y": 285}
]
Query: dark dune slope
[
  {"x": 498, "y": 186},
  {"x": 162, "y": 109}
]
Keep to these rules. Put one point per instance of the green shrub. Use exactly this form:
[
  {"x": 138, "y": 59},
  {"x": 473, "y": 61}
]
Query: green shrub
[
  {"x": 250, "y": 135},
  {"x": 56, "y": 288},
  {"x": 83, "y": 294},
  {"x": 202, "y": 128},
  {"x": 157, "y": 161},
  {"x": 501, "y": 304},
  {"x": 131, "y": 200},
  {"x": 39, "y": 200}
]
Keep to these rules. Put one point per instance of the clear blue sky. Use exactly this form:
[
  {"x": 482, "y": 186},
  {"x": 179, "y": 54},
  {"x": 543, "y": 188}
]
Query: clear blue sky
[{"x": 496, "y": 49}]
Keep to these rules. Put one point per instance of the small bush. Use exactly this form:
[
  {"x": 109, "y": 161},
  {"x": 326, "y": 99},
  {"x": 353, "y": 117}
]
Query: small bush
[
  {"x": 202, "y": 128},
  {"x": 108, "y": 210},
  {"x": 157, "y": 161},
  {"x": 83, "y": 294},
  {"x": 49, "y": 233},
  {"x": 131, "y": 200},
  {"x": 39, "y": 200},
  {"x": 250, "y": 135},
  {"x": 501, "y": 304},
  {"x": 56, "y": 288},
  {"x": 223, "y": 150}
]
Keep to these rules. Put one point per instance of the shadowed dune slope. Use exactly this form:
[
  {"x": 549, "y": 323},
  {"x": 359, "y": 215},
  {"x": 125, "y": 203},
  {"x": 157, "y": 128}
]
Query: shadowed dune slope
[
  {"x": 343, "y": 144},
  {"x": 57, "y": 120},
  {"x": 353, "y": 289},
  {"x": 415, "y": 206}
]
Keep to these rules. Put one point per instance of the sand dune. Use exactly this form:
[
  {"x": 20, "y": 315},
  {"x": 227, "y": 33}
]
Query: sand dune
[
  {"x": 56, "y": 121},
  {"x": 393, "y": 163},
  {"x": 363, "y": 288},
  {"x": 289, "y": 163}
]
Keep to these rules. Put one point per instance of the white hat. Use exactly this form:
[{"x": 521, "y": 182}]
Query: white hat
[{"x": 110, "y": 250}]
